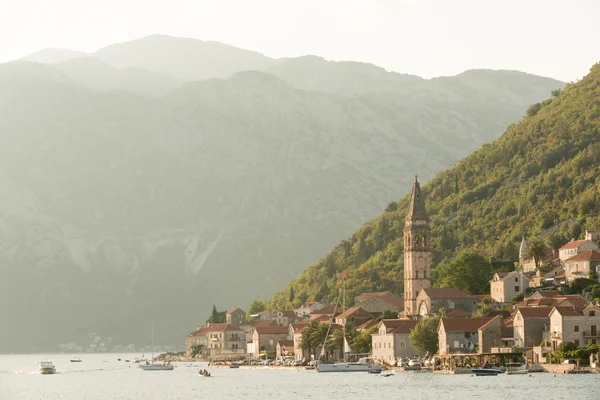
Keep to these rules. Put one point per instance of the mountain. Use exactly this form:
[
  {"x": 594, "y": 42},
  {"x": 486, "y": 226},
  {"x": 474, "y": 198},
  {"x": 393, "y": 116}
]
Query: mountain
[
  {"x": 96, "y": 74},
  {"x": 117, "y": 206},
  {"x": 541, "y": 178},
  {"x": 53, "y": 55},
  {"x": 314, "y": 73},
  {"x": 183, "y": 58}
]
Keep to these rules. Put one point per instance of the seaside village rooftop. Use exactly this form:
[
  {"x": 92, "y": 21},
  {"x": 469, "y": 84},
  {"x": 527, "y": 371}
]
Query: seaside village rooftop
[{"x": 531, "y": 312}]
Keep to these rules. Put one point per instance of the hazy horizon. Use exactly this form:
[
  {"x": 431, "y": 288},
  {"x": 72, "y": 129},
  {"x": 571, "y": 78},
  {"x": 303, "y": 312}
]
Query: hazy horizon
[{"x": 432, "y": 38}]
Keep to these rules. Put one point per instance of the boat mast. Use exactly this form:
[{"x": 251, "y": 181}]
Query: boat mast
[
  {"x": 344, "y": 325},
  {"x": 152, "y": 340}
]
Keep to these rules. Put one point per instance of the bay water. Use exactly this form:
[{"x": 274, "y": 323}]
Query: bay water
[{"x": 103, "y": 377}]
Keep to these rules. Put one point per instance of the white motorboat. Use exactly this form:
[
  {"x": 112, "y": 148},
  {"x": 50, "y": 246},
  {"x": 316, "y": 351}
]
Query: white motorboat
[
  {"x": 46, "y": 368},
  {"x": 363, "y": 365},
  {"x": 75, "y": 359}
]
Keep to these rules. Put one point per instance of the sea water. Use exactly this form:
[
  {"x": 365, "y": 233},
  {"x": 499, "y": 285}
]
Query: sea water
[{"x": 103, "y": 377}]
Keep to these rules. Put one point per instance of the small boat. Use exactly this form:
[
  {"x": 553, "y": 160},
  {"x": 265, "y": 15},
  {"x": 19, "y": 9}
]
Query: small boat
[
  {"x": 234, "y": 366},
  {"x": 75, "y": 359},
  {"x": 204, "y": 373},
  {"x": 150, "y": 366},
  {"x": 487, "y": 370},
  {"x": 364, "y": 364},
  {"x": 46, "y": 368}
]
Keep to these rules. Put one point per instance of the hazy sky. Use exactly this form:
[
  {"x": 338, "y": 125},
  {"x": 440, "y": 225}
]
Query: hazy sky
[{"x": 553, "y": 38}]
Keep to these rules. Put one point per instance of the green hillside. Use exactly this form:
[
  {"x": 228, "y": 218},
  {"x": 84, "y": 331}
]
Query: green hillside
[{"x": 542, "y": 177}]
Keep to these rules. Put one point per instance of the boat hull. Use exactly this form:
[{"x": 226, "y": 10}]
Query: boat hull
[
  {"x": 47, "y": 371},
  {"x": 152, "y": 367},
  {"x": 347, "y": 367},
  {"x": 486, "y": 372}
]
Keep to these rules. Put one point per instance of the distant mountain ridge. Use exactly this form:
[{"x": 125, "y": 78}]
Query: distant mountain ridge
[{"x": 120, "y": 201}]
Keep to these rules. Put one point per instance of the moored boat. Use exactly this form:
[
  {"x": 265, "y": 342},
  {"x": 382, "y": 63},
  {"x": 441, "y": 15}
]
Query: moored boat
[
  {"x": 75, "y": 359},
  {"x": 150, "y": 366},
  {"x": 363, "y": 365},
  {"x": 46, "y": 368},
  {"x": 487, "y": 370}
]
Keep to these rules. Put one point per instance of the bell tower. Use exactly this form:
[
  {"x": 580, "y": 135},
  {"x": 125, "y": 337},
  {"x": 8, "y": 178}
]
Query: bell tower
[{"x": 417, "y": 258}]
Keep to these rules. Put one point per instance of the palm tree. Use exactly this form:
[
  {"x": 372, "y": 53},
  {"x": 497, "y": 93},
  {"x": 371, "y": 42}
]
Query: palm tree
[{"x": 537, "y": 250}]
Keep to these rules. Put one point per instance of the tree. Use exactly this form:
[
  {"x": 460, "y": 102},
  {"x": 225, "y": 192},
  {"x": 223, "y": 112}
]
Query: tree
[
  {"x": 580, "y": 284},
  {"x": 255, "y": 307},
  {"x": 536, "y": 250},
  {"x": 215, "y": 314},
  {"x": 291, "y": 296},
  {"x": 424, "y": 337},
  {"x": 388, "y": 314},
  {"x": 196, "y": 349},
  {"x": 468, "y": 271},
  {"x": 518, "y": 297},
  {"x": 593, "y": 275}
]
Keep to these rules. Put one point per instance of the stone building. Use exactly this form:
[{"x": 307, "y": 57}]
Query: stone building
[
  {"x": 417, "y": 258},
  {"x": 377, "y": 303},
  {"x": 392, "y": 340},
  {"x": 354, "y": 315},
  {"x": 575, "y": 247},
  {"x": 308, "y": 307},
  {"x": 460, "y": 335},
  {"x": 569, "y": 324},
  {"x": 265, "y": 338},
  {"x": 579, "y": 266},
  {"x": 529, "y": 323},
  {"x": 431, "y": 300},
  {"x": 490, "y": 335},
  {"x": 506, "y": 285},
  {"x": 235, "y": 316}
]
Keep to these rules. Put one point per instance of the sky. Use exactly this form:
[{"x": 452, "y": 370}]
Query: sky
[{"x": 558, "y": 39}]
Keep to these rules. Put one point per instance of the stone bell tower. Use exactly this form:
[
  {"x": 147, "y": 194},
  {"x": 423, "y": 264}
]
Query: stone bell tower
[{"x": 417, "y": 258}]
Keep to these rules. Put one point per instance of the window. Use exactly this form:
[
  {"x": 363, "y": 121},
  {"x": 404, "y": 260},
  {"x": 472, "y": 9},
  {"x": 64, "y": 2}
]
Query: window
[
  {"x": 517, "y": 279},
  {"x": 577, "y": 343},
  {"x": 592, "y": 313},
  {"x": 456, "y": 344},
  {"x": 516, "y": 288},
  {"x": 401, "y": 345},
  {"x": 576, "y": 328}
]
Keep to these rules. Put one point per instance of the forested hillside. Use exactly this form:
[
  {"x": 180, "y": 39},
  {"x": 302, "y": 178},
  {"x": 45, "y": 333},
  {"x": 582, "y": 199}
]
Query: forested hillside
[{"x": 541, "y": 178}]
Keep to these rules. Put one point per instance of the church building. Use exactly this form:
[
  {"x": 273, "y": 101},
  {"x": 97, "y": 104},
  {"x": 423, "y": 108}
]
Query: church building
[{"x": 417, "y": 258}]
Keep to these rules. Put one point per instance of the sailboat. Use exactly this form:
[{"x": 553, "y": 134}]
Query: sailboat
[
  {"x": 364, "y": 364},
  {"x": 150, "y": 366}
]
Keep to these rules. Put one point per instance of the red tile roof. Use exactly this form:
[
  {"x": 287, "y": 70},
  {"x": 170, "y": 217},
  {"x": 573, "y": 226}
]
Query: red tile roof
[
  {"x": 573, "y": 244},
  {"x": 457, "y": 313},
  {"x": 355, "y": 311},
  {"x": 298, "y": 327},
  {"x": 534, "y": 312},
  {"x": 367, "y": 325},
  {"x": 271, "y": 330},
  {"x": 364, "y": 296},
  {"x": 464, "y": 324},
  {"x": 445, "y": 293},
  {"x": 548, "y": 293},
  {"x": 322, "y": 318},
  {"x": 585, "y": 256},
  {"x": 327, "y": 310},
  {"x": 264, "y": 323},
  {"x": 405, "y": 327},
  {"x": 286, "y": 343},
  {"x": 496, "y": 318},
  {"x": 568, "y": 311},
  {"x": 481, "y": 297}
]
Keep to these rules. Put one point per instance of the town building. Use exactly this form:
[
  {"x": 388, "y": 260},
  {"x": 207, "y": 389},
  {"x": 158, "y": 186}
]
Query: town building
[
  {"x": 575, "y": 247},
  {"x": 285, "y": 349},
  {"x": 417, "y": 258},
  {"x": 196, "y": 338},
  {"x": 265, "y": 338},
  {"x": 431, "y": 300},
  {"x": 379, "y": 302},
  {"x": 356, "y": 316},
  {"x": 235, "y": 316},
  {"x": 490, "y": 334},
  {"x": 308, "y": 307},
  {"x": 506, "y": 285},
  {"x": 225, "y": 338},
  {"x": 460, "y": 335},
  {"x": 569, "y": 324},
  {"x": 295, "y": 335},
  {"x": 579, "y": 266},
  {"x": 328, "y": 311},
  {"x": 392, "y": 340},
  {"x": 528, "y": 325},
  {"x": 594, "y": 235}
]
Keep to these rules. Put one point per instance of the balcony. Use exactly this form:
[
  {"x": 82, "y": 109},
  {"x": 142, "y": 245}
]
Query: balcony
[
  {"x": 556, "y": 335},
  {"x": 591, "y": 335}
]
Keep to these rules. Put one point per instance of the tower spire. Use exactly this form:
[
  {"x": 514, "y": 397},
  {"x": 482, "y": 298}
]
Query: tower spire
[{"x": 416, "y": 206}]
